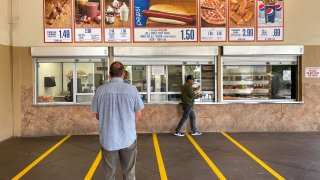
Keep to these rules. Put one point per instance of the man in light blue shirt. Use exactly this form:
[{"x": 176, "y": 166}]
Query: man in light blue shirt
[{"x": 118, "y": 106}]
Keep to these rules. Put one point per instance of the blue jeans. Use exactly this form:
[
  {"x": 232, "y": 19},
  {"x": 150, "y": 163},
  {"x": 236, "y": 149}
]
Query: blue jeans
[{"x": 187, "y": 112}]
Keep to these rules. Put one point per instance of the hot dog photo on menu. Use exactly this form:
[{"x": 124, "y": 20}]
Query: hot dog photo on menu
[
  {"x": 164, "y": 13},
  {"x": 117, "y": 13},
  {"x": 241, "y": 13},
  {"x": 213, "y": 13}
]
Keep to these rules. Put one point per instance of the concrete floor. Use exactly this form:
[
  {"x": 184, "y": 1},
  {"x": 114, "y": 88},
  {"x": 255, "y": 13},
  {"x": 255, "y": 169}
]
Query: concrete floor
[{"x": 292, "y": 155}]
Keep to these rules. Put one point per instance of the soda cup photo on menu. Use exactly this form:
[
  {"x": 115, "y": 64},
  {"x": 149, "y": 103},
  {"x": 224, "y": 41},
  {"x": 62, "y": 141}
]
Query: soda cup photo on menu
[
  {"x": 278, "y": 11},
  {"x": 139, "y": 6},
  {"x": 261, "y": 11},
  {"x": 270, "y": 13}
]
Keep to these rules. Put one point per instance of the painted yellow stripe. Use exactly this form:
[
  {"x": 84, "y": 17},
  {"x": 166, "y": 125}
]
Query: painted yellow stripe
[
  {"x": 34, "y": 163},
  {"x": 206, "y": 158},
  {"x": 93, "y": 166},
  {"x": 269, "y": 169},
  {"x": 163, "y": 174}
]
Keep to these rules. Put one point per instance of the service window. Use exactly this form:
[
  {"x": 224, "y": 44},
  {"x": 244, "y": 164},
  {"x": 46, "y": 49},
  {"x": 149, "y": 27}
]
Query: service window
[
  {"x": 137, "y": 76},
  {"x": 175, "y": 81},
  {"x": 260, "y": 79},
  {"x": 69, "y": 80}
]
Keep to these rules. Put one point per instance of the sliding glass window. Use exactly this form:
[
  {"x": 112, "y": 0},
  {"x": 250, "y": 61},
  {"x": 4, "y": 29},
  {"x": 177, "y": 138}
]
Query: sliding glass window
[{"x": 69, "y": 80}]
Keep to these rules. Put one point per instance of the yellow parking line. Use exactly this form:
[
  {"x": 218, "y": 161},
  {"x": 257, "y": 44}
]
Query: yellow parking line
[
  {"x": 163, "y": 174},
  {"x": 93, "y": 166},
  {"x": 206, "y": 158},
  {"x": 34, "y": 163},
  {"x": 269, "y": 169}
]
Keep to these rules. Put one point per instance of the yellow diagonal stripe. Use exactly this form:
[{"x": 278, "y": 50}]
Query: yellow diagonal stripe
[
  {"x": 34, "y": 163},
  {"x": 206, "y": 158},
  {"x": 264, "y": 165},
  {"x": 163, "y": 174},
  {"x": 94, "y": 166}
]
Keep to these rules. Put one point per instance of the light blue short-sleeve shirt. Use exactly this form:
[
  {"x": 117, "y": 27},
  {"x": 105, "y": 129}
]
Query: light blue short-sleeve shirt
[{"x": 116, "y": 104}]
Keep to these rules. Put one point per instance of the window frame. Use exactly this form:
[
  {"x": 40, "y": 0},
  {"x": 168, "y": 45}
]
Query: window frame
[
  {"x": 248, "y": 60},
  {"x": 75, "y": 61}
]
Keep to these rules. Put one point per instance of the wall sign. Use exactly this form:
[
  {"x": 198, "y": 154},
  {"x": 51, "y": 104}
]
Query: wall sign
[
  {"x": 213, "y": 22},
  {"x": 57, "y": 21},
  {"x": 270, "y": 20},
  {"x": 165, "y": 21},
  {"x": 126, "y": 21},
  {"x": 87, "y": 20},
  {"x": 312, "y": 72},
  {"x": 117, "y": 24},
  {"x": 241, "y": 20}
]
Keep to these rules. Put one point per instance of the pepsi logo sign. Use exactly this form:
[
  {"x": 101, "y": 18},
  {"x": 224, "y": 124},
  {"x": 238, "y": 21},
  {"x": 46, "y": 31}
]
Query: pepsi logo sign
[{"x": 269, "y": 11}]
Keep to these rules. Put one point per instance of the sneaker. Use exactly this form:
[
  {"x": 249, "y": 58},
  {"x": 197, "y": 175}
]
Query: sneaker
[
  {"x": 196, "y": 133},
  {"x": 178, "y": 133}
]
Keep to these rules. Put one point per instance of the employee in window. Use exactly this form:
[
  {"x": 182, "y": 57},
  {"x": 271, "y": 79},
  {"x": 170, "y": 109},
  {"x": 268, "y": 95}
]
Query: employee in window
[
  {"x": 277, "y": 86},
  {"x": 69, "y": 98}
]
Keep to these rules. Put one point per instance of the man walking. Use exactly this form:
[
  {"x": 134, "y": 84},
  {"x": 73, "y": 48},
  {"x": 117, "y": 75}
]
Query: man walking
[
  {"x": 118, "y": 106},
  {"x": 187, "y": 97}
]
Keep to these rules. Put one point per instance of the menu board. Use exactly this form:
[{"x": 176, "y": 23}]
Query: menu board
[
  {"x": 242, "y": 20},
  {"x": 270, "y": 20},
  {"x": 165, "y": 21},
  {"x": 57, "y": 21},
  {"x": 87, "y": 21},
  {"x": 213, "y": 24},
  {"x": 125, "y": 21},
  {"x": 117, "y": 20}
]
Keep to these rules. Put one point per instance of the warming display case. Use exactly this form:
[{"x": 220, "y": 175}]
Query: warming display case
[
  {"x": 158, "y": 72},
  {"x": 261, "y": 73}
]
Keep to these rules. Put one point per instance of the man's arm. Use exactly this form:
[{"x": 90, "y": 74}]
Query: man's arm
[{"x": 138, "y": 115}]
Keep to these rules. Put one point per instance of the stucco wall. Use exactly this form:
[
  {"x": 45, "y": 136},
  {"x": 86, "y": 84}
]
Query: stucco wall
[
  {"x": 58, "y": 120},
  {"x": 301, "y": 28}
]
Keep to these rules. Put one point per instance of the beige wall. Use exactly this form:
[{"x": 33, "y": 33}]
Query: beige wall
[
  {"x": 6, "y": 104},
  {"x": 301, "y": 24},
  {"x": 5, "y": 22}
]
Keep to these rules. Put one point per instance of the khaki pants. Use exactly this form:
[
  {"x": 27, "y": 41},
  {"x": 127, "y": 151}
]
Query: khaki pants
[{"x": 127, "y": 157}]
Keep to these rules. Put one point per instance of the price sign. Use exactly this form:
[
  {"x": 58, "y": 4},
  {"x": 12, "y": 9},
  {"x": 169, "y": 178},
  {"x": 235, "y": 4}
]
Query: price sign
[
  {"x": 165, "y": 34},
  {"x": 88, "y": 35},
  {"x": 117, "y": 35},
  {"x": 57, "y": 18},
  {"x": 58, "y": 35},
  {"x": 270, "y": 34},
  {"x": 213, "y": 34},
  {"x": 270, "y": 21},
  {"x": 241, "y": 34}
]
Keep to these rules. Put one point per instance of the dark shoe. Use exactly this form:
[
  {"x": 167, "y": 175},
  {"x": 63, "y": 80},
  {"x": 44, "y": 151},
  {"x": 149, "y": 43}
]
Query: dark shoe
[
  {"x": 178, "y": 133},
  {"x": 196, "y": 133}
]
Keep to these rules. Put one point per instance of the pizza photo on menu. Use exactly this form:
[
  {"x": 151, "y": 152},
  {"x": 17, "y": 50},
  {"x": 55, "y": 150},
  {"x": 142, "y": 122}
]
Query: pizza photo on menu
[
  {"x": 241, "y": 13},
  {"x": 213, "y": 13}
]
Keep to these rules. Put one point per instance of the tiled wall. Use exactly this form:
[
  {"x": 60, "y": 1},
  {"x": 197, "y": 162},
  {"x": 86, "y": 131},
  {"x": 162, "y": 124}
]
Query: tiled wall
[{"x": 161, "y": 118}]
